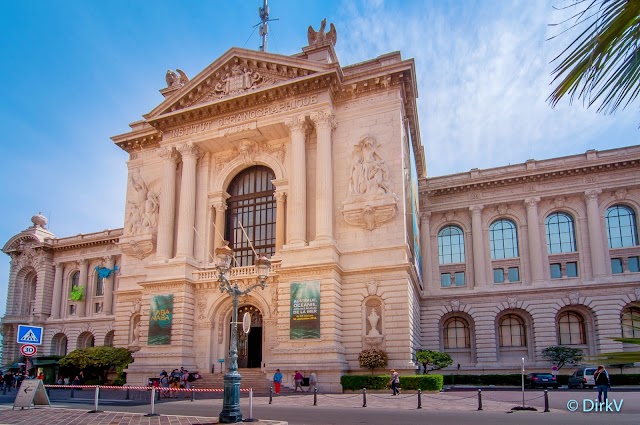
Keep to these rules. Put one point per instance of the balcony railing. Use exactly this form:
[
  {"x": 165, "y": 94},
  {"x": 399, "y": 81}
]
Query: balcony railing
[{"x": 211, "y": 274}]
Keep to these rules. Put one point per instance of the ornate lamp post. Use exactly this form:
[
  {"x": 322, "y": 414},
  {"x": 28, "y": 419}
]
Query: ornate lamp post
[{"x": 224, "y": 255}]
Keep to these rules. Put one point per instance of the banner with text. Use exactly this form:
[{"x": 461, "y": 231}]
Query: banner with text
[
  {"x": 161, "y": 315},
  {"x": 305, "y": 310}
]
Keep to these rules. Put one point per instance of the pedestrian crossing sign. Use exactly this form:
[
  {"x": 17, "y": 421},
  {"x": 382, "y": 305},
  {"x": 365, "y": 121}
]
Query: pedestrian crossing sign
[{"x": 29, "y": 335}]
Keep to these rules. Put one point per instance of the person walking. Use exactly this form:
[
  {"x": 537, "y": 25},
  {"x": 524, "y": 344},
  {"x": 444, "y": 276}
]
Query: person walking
[
  {"x": 277, "y": 381},
  {"x": 313, "y": 380},
  {"x": 601, "y": 377},
  {"x": 297, "y": 378},
  {"x": 395, "y": 380}
]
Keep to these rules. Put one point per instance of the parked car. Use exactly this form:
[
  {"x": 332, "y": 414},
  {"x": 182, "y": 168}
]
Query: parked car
[
  {"x": 583, "y": 377},
  {"x": 540, "y": 380}
]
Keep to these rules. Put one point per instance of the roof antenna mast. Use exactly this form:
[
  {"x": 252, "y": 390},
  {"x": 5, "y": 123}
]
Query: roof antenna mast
[{"x": 264, "y": 24}]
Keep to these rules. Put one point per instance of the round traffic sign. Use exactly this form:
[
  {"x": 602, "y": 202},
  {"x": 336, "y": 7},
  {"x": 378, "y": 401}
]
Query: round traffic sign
[{"x": 28, "y": 349}]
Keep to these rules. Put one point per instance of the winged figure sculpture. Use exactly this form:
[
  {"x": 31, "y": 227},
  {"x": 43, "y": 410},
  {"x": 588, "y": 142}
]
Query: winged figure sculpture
[{"x": 317, "y": 37}]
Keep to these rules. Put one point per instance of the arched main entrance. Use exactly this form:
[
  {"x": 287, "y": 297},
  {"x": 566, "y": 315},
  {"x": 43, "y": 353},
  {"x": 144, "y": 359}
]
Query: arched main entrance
[{"x": 250, "y": 345}]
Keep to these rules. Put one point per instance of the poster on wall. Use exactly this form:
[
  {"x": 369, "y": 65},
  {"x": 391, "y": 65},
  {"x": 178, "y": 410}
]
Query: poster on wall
[
  {"x": 305, "y": 310},
  {"x": 161, "y": 315}
]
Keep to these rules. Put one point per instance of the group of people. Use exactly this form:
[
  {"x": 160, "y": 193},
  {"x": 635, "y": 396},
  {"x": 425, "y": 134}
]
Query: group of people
[
  {"x": 298, "y": 379},
  {"x": 177, "y": 379}
]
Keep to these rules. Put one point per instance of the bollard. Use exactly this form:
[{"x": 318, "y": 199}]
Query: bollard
[
  {"x": 153, "y": 403},
  {"x": 72, "y": 391},
  {"x": 96, "y": 397},
  {"x": 479, "y": 399},
  {"x": 315, "y": 396},
  {"x": 364, "y": 397},
  {"x": 127, "y": 396},
  {"x": 193, "y": 393},
  {"x": 270, "y": 394},
  {"x": 546, "y": 401},
  {"x": 419, "y": 398}
]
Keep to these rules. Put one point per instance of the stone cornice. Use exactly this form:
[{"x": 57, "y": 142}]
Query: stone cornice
[
  {"x": 138, "y": 139},
  {"x": 106, "y": 237},
  {"x": 532, "y": 172}
]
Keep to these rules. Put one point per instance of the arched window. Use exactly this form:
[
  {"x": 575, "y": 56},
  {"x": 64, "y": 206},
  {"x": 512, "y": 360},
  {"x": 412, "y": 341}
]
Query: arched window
[
  {"x": 59, "y": 345},
  {"x": 75, "y": 280},
  {"x": 451, "y": 245},
  {"x": 108, "y": 339},
  {"x": 512, "y": 331},
  {"x": 621, "y": 227},
  {"x": 457, "y": 333},
  {"x": 251, "y": 203},
  {"x": 571, "y": 329},
  {"x": 560, "y": 234},
  {"x": 86, "y": 340},
  {"x": 630, "y": 319},
  {"x": 503, "y": 238}
]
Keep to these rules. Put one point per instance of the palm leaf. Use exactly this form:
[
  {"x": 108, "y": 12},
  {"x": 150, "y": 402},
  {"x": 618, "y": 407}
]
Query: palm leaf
[{"x": 602, "y": 64}]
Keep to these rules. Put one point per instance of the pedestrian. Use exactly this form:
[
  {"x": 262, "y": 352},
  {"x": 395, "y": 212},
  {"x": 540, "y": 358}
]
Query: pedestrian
[
  {"x": 8, "y": 380},
  {"x": 175, "y": 383},
  {"x": 395, "y": 380},
  {"x": 164, "y": 383},
  {"x": 277, "y": 381},
  {"x": 601, "y": 378},
  {"x": 297, "y": 379},
  {"x": 313, "y": 381},
  {"x": 184, "y": 382}
]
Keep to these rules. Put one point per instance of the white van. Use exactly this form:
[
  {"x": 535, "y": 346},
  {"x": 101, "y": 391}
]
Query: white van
[{"x": 583, "y": 377}]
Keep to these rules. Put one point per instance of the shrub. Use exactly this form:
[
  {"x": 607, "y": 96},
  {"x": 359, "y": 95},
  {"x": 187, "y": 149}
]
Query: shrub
[
  {"x": 372, "y": 359},
  {"x": 381, "y": 382}
]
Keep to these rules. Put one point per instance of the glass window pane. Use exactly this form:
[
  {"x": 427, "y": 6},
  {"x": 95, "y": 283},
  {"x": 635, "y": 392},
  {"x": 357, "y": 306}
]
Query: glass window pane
[
  {"x": 514, "y": 274},
  {"x": 451, "y": 245},
  {"x": 616, "y": 265},
  {"x": 459, "y": 278},
  {"x": 634, "y": 265},
  {"x": 621, "y": 227},
  {"x": 445, "y": 280},
  {"x": 555, "y": 271},
  {"x": 498, "y": 275},
  {"x": 572, "y": 269}
]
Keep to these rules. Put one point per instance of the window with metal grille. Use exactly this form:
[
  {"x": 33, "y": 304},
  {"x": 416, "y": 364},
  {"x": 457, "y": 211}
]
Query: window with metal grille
[{"x": 251, "y": 203}]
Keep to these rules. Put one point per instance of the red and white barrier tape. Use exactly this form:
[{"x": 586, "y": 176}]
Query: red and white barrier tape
[{"x": 165, "y": 389}]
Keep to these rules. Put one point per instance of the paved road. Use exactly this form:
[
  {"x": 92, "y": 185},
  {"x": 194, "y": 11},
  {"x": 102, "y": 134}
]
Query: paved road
[{"x": 341, "y": 409}]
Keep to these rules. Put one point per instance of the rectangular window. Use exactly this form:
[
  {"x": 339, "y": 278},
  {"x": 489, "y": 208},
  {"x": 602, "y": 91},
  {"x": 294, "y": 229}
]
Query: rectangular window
[
  {"x": 498, "y": 276},
  {"x": 634, "y": 265},
  {"x": 616, "y": 265},
  {"x": 98, "y": 307},
  {"x": 556, "y": 273},
  {"x": 72, "y": 310},
  {"x": 99, "y": 287},
  {"x": 572, "y": 269},
  {"x": 514, "y": 274},
  {"x": 445, "y": 280},
  {"x": 459, "y": 278}
]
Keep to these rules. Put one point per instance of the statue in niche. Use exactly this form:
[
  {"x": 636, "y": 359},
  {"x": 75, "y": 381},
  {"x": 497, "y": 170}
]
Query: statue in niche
[
  {"x": 373, "y": 319},
  {"x": 143, "y": 207},
  {"x": 135, "y": 339},
  {"x": 369, "y": 173}
]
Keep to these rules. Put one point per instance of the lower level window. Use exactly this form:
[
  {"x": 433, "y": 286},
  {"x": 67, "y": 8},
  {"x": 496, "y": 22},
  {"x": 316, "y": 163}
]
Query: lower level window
[
  {"x": 572, "y": 269},
  {"x": 514, "y": 274},
  {"x": 616, "y": 265},
  {"x": 98, "y": 307},
  {"x": 498, "y": 276},
  {"x": 445, "y": 280},
  {"x": 72, "y": 310},
  {"x": 634, "y": 264},
  {"x": 556, "y": 272},
  {"x": 459, "y": 278}
]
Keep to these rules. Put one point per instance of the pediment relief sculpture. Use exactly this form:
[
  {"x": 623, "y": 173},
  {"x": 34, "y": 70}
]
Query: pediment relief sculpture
[{"x": 369, "y": 201}]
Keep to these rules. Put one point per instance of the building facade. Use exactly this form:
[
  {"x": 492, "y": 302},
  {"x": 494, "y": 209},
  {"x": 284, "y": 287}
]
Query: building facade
[{"x": 320, "y": 167}]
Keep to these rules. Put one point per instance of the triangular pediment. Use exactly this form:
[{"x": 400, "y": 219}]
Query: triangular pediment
[{"x": 237, "y": 73}]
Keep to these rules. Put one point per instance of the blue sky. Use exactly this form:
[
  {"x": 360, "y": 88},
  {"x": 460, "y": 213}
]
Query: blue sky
[{"x": 76, "y": 72}]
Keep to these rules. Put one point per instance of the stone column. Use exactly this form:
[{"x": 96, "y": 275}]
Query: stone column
[
  {"x": 280, "y": 219},
  {"x": 325, "y": 123},
  {"x": 425, "y": 245},
  {"x": 598, "y": 264},
  {"x": 107, "y": 304},
  {"x": 479, "y": 271},
  {"x": 190, "y": 153},
  {"x": 220, "y": 207},
  {"x": 297, "y": 223},
  {"x": 535, "y": 247},
  {"x": 167, "y": 212},
  {"x": 82, "y": 304},
  {"x": 57, "y": 291}
]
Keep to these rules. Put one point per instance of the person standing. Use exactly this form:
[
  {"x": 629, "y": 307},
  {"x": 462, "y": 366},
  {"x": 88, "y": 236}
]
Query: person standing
[
  {"x": 601, "y": 377},
  {"x": 297, "y": 378},
  {"x": 313, "y": 380},
  {"x": 395, "y": 380},
  {"x": 277, "y": 381},
  {"x": 8, "y": 380}
]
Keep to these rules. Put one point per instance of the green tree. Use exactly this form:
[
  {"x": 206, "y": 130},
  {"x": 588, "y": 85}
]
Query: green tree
[
  {"x": 433, "y": 360},
  {"x": 602, "y": 64},
  {"x": 560, "y": 356},
  {"x": 96, "y": 362},
  {"x": 373, "y": 359}
]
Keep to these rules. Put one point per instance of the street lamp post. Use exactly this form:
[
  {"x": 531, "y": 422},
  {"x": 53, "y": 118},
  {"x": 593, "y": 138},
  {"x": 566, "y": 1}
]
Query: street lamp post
[{"x": 224, "y": 255}]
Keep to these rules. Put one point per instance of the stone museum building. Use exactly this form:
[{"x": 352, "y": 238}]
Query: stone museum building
[{"x": 320, "y": 167}]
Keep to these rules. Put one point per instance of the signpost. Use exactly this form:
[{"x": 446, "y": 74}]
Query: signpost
[
  {"x": 29, "y": 335},
  {"x": 28, "y": 350}
]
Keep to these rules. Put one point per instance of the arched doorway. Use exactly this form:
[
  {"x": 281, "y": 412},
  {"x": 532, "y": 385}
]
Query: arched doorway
[{"x": 250, "y": 345}]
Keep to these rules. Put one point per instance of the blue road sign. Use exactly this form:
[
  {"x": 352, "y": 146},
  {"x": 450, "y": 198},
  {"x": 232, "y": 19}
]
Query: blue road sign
[{"x": 29, "y": 335}]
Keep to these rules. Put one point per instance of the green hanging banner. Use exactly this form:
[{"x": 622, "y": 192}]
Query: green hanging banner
[
  {"x": 161, "y": 316},
  {"x": 305, "y": 310}
]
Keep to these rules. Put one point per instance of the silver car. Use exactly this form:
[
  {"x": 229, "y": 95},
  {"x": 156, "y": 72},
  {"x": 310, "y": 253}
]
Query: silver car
[{"x": 583, "y": 377}]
